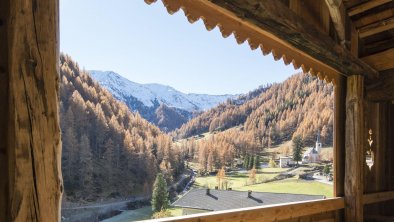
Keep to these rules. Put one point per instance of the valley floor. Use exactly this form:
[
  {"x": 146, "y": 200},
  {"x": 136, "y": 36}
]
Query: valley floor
[{"x": 239, "y": 181}]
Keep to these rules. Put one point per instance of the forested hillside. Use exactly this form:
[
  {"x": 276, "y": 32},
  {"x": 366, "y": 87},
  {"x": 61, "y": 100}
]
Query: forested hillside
[
  {"x": 108, "y": 151},
  {"x": 301, "y": 105}
]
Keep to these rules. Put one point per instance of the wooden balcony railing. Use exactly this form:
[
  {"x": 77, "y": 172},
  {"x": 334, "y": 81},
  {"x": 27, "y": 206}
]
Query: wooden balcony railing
[{"x": 274, "y": 212}]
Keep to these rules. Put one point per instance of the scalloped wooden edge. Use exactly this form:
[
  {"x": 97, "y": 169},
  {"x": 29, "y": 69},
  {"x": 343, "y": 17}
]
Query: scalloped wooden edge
[{"x": 214, "y": 16}]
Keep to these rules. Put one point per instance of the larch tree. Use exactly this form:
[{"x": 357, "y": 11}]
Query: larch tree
[
  {"x": 252, "y": 176},
  {"x": 220, "y": 177}
]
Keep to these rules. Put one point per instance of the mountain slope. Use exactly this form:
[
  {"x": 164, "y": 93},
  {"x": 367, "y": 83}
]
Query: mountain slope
[
  {"x": 108, "y": 151},
  {"x": 301, "y": 105},
  {"x": 147, "y": 98}
]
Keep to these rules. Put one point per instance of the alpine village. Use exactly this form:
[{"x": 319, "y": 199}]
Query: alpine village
[{"x": 91, "y": 145}]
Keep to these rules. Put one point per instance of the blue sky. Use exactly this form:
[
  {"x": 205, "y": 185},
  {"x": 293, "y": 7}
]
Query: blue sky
[{"x": 147, "y": 45}]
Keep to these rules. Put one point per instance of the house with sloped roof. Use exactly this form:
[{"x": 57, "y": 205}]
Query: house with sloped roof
[{"x": 203, "y": 200}]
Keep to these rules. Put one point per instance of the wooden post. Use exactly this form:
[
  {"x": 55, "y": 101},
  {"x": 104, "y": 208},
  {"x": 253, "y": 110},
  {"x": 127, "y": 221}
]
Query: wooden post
[
  {"x": 339, "y": 136},
  {"x": 4, "y": 111},
  {"x": 354, "y": 164},
  {"x": 339, "y": 139},
  {"x": 33, "y": 132}
]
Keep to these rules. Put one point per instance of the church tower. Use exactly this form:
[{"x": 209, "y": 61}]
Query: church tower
[{"x": 318, "y": 143}]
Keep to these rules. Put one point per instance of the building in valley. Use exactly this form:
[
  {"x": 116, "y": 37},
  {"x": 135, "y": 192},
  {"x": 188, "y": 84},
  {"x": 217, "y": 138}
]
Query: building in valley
[
  {"x": 312, "y": 154},
  {"x": 204, "y": 200}
]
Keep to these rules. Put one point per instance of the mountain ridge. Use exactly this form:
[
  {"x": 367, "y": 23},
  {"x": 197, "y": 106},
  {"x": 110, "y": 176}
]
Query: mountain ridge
[{"x": 147, "y": 99}]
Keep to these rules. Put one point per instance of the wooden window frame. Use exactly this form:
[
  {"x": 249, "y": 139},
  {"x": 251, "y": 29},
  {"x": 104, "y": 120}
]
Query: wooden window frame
[{"x": 31, "y": 150}]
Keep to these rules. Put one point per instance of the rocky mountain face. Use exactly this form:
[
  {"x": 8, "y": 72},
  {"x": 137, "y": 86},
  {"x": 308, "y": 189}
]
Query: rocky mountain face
[{"x": 162, "y": 105}]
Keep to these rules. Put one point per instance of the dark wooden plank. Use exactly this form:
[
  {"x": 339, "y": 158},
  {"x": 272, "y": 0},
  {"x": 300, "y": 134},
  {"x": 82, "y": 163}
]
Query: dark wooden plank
[
  {"x": 366, "y": 6},
  {"x": 378, "y": 197},
  {"x": 374, "y": 17},
  {"x": 382, "y": 90},
  {"x": 376, "y": 47},
  {"x": 377, "y": 27},
  {"x": 34, "y": 145},
  {"x": 381, "y": 61},
  {"x": 4, "y": 7},
  {"x": 355, "y": 140},
  {"x": 276, "y": 18},
  {"x": 339, "y": 136},
  {"x": 339, "y": 140}
]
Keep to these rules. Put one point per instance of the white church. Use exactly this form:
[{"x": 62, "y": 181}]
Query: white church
[{"x": 312, "y": 155}]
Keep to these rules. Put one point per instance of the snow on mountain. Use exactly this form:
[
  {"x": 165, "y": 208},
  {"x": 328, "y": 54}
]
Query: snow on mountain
[{"x": 150, "y": 94}]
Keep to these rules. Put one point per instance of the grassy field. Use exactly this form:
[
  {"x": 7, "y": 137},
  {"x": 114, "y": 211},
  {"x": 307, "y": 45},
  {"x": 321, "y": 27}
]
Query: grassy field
[
  {"x": 237, "y": 179},
  {"x": 293, "y": 186},
  {"x": 273, "y": 170}
]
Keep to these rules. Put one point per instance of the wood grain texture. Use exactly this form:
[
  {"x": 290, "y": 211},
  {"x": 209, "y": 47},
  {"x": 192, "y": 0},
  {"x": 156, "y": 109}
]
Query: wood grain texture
[
  {"x": 33, "y": 126},
  {"x": 314, "y": 12},
  {"x": 366, "y": 6},
  {"x": 381, "y": 61},
  {"x": 277, "y": 212},
  {"x": 382, "y": 90},
  {"x": 4, "y": 216},
  {"x": 355, "y": 140},
  {"x": 337, "y": 11},
  {"x": 339, "y": 141},
  {"x": 372, "y": 18},
  {"x": 376, "y": 28},
  {"x": 378, "y": 197}
]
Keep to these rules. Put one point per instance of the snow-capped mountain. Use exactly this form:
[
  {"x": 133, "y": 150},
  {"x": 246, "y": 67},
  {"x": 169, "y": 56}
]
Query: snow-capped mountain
[{"x": 147, "y": 98}]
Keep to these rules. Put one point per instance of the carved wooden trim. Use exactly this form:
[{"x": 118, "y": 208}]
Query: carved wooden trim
[{"x": 228, "y": 23}]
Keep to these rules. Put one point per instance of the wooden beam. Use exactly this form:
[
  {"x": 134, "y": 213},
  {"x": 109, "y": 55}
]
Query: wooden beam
[
  {"x": 274, "y": 17},
  {"x": 336, "y": 10},
  {"x": 366, "y": 6},
  {"x": 376, "y": 28},
  {"x": 381, "y": 61},
  {"x": 4, "y": 190},
  {"x": 377, "y": 47},
  {"x": 339, "y": 140},
  {"x": 383, "y": 89},
  {"x": 339, "y": 136},
  {"x": 372, "y": 18},
  {"x": 378, "y": 197},
  {"x": 34, "y": 145},
  {"x": 354, "y": 164},
  {"x": 276, "y": 212}
]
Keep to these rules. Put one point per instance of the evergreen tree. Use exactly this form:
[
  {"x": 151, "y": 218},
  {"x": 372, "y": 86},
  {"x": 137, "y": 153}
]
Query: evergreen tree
[
  {"x": 246, "y": 161},
  {"x": 160, "y": 194},
  {"x": 326, "y": 170},
  {"x": 256, "y": 162},
  {"x": 297, "y": 148},
  {"x": 251, "y": 162}
]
